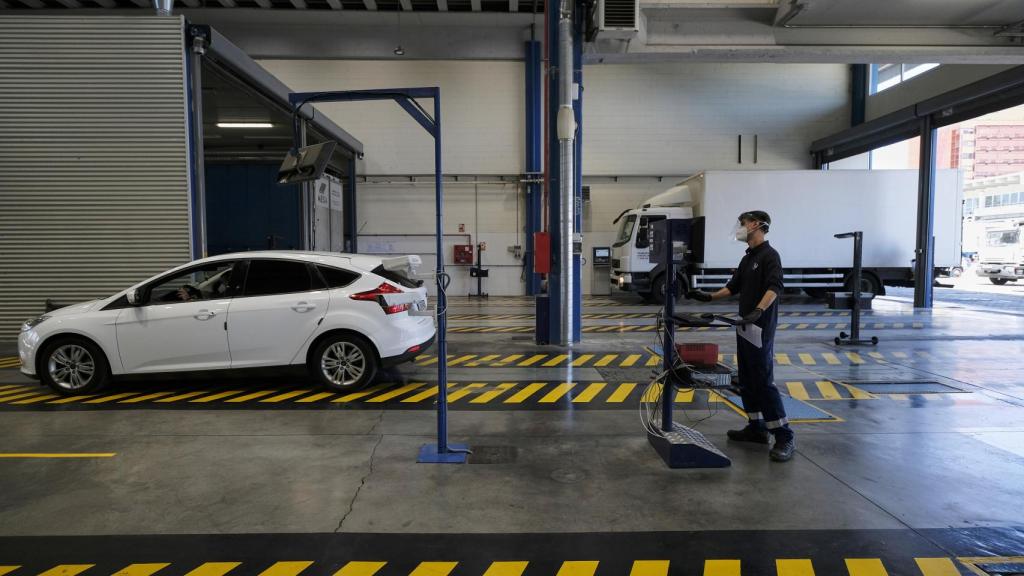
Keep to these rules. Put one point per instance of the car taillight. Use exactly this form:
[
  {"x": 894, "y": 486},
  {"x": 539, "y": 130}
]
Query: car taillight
[{"x": 377, "y": 295}]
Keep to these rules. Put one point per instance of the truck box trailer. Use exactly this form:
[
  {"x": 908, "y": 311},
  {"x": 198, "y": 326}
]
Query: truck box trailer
[{"x": 807, "y": 207}]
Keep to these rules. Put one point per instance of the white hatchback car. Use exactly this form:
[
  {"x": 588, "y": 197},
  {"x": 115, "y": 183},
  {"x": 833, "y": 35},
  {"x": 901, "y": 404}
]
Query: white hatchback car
[{"x": 342, "y": 315}]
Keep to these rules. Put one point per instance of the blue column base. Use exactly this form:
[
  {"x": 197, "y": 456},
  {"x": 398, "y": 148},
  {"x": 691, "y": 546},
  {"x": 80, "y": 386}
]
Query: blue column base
[{"x": 456, "y": 454}]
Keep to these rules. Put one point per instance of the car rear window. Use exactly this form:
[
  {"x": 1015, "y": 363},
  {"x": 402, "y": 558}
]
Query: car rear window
[
  {"x": 397, "y": 277},
  {"x": 336, "y": 277}
]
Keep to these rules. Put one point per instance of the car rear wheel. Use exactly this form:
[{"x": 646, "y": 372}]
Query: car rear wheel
[
  {"x": 72, "y": 366},
  {"x": 344, "y": 362},
  {"x": 999, "y": 281}
]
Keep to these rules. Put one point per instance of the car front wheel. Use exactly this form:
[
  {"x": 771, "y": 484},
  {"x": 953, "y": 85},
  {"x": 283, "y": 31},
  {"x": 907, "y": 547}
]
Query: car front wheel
[
  {"x": 72, "y": 366},
  {"x": 344, "y": 362}
]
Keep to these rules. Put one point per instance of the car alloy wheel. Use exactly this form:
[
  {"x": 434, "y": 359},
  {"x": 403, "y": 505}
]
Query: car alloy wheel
[
  {"x": 71, "y": 367},
  {"x": 343, "y": 364}
]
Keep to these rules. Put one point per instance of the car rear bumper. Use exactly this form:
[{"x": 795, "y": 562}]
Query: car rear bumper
[
  {"x": 1001, "y": 271},
  {"x": 408, "y": 355}
]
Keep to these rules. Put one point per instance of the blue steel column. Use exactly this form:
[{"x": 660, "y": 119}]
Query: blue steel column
[
  {"x": 554, "y": 213},
  {"x": 577, "y": 267},
  {"x": 348, "y": 204},
  {"x": 534, "y": 161}
]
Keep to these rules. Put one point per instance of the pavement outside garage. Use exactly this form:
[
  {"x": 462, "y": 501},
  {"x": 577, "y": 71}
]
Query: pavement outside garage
[{"x": 917, "y": 466}]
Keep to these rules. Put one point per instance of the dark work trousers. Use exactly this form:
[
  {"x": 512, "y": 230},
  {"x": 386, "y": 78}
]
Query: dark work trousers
[{"x": 761, "y": 399}]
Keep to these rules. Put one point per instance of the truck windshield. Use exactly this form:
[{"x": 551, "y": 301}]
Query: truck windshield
[
  {"x": 1003, "y": 237},
  {"x": 625, "y": 230}
]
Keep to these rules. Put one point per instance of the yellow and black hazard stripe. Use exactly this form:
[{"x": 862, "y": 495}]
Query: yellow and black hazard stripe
[
  {"x": 648, "y": 359},
  {"x": 10, "y": 362}
]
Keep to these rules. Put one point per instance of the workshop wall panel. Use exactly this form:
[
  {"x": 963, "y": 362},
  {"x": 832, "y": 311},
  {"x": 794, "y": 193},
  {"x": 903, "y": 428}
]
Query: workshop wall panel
[
  {"x": 93, "y": 157},
  {"x": 681, "y": 118},
  {"x": 482, "y": 112}
]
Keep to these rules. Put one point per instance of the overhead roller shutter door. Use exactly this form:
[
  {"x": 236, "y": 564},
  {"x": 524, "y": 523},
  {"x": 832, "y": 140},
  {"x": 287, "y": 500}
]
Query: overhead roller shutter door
[{"x": 94, "y": 184}]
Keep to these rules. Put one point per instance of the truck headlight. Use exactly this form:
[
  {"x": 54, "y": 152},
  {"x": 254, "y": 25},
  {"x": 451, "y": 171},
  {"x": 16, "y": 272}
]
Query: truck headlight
[
  {"x": 622, "y": 280},
  {"x": 30, "y": 324}
]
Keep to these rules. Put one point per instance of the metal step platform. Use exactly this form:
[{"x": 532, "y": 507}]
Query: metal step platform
[{"x": 687, "y": 448}]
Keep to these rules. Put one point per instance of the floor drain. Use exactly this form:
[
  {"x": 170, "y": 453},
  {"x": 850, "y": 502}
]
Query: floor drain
[
  {"x": 905, "y": 387},
  {"x": 493, "y": 455}
]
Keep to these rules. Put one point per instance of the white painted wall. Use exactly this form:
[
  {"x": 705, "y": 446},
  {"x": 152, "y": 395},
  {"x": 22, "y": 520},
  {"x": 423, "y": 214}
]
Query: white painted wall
[
  {"x": 932, "y": 83},
  {"x": 654, "y": 119}
]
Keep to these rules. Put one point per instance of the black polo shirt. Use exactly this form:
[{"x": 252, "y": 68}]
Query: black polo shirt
[{"x": 759, "y": 271}]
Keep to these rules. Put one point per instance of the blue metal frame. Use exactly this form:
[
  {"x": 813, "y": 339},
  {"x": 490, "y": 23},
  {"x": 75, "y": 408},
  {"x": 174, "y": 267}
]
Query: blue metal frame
[
  {"x": 351, "y": 229},
  {"x": 554, "y": 210},
  {"x": 534, "y": 161},
  {"x": 577, "y": 105},
  {"x": 442, "y": 452},
  {"x": 196, "y": 248}
]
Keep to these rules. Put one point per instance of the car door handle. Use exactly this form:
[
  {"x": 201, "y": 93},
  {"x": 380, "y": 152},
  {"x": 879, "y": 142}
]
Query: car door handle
[
  {"x": 204, "y": 315},
  {"x": 304, "y": 307}
]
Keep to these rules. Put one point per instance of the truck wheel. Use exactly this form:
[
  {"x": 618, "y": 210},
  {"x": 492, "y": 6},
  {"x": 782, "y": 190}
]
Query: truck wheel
[
  {"x": 998, "y": 281},
  {"x": 658, "y": 292},
  {"x": 868, "y": 283}
]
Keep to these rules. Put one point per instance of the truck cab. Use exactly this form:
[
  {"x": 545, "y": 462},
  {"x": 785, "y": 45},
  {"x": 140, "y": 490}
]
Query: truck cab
[
  {"x": 1001, "y": 257},
  {"x": 632, "y": 268}
]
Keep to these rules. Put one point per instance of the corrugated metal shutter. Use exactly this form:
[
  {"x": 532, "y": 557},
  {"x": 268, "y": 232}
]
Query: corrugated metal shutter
[{"x": 94, "y": 178}]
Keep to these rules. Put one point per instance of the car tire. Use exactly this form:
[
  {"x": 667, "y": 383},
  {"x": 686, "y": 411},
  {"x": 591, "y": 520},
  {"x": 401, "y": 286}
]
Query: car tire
[
  {"x": 65, "y": 364},
  {"x": 343, "y": 362},
  {"x": 998, "y": 281}
]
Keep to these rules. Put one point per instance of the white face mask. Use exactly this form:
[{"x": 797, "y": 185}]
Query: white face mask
[{"x": 741, "y": 233}]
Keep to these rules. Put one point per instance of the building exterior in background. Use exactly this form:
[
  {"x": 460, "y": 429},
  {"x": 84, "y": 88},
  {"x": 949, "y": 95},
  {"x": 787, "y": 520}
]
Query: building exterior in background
[
  {"x": 989, "y": 200},
  {"x": 984, "y": 150}
]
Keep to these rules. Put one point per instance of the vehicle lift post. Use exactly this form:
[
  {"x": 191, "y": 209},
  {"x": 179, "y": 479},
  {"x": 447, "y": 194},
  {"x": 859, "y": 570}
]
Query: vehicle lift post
[{"x": 442, "y": 452}]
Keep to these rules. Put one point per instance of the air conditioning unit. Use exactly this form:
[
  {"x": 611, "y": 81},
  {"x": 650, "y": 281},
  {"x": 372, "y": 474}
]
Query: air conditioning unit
[{"x": 618, "y": 18}]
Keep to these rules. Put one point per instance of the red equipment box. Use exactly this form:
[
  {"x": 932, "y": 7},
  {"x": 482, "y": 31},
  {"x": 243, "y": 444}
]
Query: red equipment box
[
  {"x": 463, "y": 254},
  {"x": 698, "y": 354},
  {"x": 541, "y": 252}
]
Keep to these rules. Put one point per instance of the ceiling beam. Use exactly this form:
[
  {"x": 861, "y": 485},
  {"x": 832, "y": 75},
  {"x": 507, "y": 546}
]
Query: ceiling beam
[
  {"x": 475, "y": 4},
  {"x": 513, "y": 5},
  {"x": 33, "y": 3},
  {"x": 228, "y": 3},
  {"x": 442, "y": 5},
  {"x": 143, "y": 3},
  {"x": 109, "y": 4},
  {"x": 192, "y": 3},
  {"x": 335, "y": 4},
  {"x": 299, "y": 4},
  {"x": 370, "y": 4},
  {"x": 70, "y": 3},
  {"x": 406, "y": 5},
  {"x": 264, "y": 4}
]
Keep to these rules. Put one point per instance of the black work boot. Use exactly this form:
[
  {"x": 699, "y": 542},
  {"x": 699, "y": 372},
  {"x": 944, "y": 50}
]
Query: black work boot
[
  {"x": 783, "y": 449},
  {"x": 750, "y": 433}
]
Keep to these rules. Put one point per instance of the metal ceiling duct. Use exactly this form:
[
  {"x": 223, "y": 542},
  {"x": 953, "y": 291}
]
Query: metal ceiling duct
[{"x": 163, "y": 7}]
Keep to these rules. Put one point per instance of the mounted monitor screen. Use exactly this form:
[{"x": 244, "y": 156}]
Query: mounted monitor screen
[{"x": 305, "y": 164}]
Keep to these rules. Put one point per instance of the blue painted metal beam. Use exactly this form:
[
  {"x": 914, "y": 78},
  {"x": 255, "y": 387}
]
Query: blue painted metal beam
[
  {"x": 554, "y": 212},
  {"x": 534, "y": 161},
  {"x": 577, "y": 106}
]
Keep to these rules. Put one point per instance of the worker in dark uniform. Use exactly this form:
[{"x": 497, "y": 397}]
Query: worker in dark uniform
[{"x": 758, "y": 281}]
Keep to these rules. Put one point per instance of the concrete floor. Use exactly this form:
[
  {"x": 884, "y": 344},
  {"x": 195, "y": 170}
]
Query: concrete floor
[{"x": 927, "y": 465}]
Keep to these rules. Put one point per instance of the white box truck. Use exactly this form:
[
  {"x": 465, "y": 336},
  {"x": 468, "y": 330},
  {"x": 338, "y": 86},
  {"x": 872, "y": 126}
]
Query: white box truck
[
  {"x": 807, "y": 207},
  {"x": 1001, "y": 256}
]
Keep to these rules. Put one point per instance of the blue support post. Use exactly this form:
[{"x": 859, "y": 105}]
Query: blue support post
[
  {"x": 577, "y": 266},
  {"x": 534, "y": 161},
  {"x": 348, "y": 205}
]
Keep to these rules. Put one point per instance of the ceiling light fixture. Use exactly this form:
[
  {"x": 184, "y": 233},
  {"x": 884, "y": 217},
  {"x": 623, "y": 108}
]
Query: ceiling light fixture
[
  {"x": 399, "y": 51},
  {"x": 244, "y": 125}
]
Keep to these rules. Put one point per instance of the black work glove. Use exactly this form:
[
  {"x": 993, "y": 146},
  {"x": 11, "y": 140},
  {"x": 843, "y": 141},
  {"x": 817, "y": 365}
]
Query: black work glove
[
  {"x": 699, "y": 296},
  {"x": 752, "y": 317}
]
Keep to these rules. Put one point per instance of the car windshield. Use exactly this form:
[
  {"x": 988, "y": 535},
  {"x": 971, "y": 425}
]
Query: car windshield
[
  {"x": 625, "y": 230},
  {"x": 1003, "y": 237}
]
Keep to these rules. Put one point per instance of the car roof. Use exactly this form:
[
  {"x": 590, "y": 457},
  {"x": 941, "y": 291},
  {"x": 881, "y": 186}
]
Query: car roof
[{"x": 361, "y": 261}]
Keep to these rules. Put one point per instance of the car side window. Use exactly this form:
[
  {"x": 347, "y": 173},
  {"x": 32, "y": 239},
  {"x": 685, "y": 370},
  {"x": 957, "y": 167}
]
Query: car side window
[
  {"x": 205, "y": 282},
  {"x": 266, "y": 277},
  {"x": 336, "y": 277}
]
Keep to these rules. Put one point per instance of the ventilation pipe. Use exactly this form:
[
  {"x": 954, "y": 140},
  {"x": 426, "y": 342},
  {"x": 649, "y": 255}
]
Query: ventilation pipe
[
  {"x": 163, "y": 7},
  {"x": 567, "y": 171}
]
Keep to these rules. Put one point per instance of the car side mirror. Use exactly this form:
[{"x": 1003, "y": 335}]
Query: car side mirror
[{"x": 133, "y": 297}]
